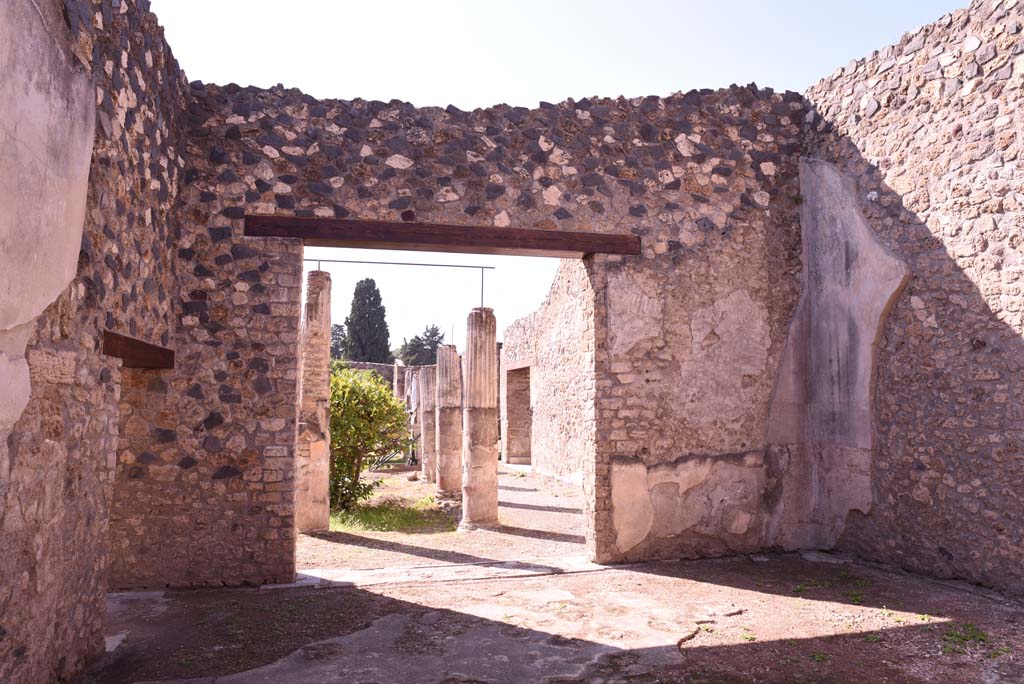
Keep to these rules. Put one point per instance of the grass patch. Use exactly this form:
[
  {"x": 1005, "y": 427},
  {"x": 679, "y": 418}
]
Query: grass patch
[
  {"x": 394, "y": 515},
  {"x": 960, "y": 636}
]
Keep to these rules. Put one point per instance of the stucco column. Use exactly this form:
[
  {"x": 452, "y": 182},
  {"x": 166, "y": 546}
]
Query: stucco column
[
  {"x": 312, "y": 495},
  {"x": 448, "y": 422},
  {"x": 480, "y": 422},
  {"x": 428, "y": 397}
]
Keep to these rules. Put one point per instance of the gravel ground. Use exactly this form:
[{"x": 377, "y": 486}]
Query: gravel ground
[{"x": 540, "y": 517}]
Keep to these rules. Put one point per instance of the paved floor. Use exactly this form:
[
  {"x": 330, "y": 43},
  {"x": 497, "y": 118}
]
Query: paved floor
[{"x": 522, "y": 615}]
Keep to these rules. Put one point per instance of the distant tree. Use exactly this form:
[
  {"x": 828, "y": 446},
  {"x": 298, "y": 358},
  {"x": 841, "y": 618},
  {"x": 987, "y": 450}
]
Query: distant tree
[
  {"x": 366, "y": 328},
  {"x": 339, "y": 340},
  {"x": 421, "y": 350}
]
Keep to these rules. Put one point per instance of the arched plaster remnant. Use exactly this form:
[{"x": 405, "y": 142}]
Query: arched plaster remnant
[
  {"x": 635, "y": 309},
  {"x": 47, "y": 115},
  {"x": 823, "y": 397}
]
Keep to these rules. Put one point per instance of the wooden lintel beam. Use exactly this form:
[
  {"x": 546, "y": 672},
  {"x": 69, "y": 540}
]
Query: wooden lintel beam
[
  {"x": 435, "y": 237},
  {"x": 136, "y": 353}
]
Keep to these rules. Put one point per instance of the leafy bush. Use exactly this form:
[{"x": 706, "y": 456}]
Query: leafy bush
[{"x": 367, "y": 421}]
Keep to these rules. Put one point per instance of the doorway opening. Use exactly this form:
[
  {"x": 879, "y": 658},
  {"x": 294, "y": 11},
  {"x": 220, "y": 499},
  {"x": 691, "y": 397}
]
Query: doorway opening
[
  {"x": 518, "y": 416},
  {"x": 541, "y": 507}
]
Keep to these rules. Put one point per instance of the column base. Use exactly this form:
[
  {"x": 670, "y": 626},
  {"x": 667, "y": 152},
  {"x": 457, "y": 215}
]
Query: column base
[{"x": 471, "y": 527}]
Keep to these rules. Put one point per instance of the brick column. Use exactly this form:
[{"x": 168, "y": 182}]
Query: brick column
[
  {"x": 480, "y": 422},
  {"x": 448, "y": 422},
  {"x": 428, "y": 397},
  {"x": 312, "y": 498}
]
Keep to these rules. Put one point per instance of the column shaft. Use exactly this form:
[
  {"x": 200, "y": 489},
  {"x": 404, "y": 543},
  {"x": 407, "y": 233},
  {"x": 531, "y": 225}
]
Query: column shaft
[
  {"x": 428, "y": 397},
  {"x": 312, "y": 459},
  {"x": 448, "y": 422},
  {"x": 480, "y": 422}
]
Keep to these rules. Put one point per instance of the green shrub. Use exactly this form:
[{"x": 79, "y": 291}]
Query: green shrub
[{"x": 367, "y": 421}]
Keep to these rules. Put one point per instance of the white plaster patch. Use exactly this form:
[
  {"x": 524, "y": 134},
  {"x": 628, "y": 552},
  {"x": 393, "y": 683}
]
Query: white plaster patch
[
  {"x": 47, "y": 119},
  {"x": 632, "y": 512},
  {"x": 725, "y": 372},
  {"x": 635, "y": 309},
  {"x": 113, "y": 641}
]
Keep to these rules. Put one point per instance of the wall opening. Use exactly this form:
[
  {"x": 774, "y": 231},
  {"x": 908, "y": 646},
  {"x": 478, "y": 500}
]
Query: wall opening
[{"x": 520, "y": 416}]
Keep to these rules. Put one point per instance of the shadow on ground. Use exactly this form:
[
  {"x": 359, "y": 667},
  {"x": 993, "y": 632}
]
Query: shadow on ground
[{"x": 715, "y": 622}]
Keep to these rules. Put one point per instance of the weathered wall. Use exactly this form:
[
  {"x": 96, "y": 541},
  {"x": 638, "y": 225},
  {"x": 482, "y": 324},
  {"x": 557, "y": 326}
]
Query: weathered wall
[
  {"x": 217, "y": 506},
  {"x": 689, "y": 338},
  {"x": 312, "y": 458},
  {"x": 931, "y": 128},
  {"x": 55, "y": 484},
  {"x": 683, "y": 353},
  {"x": 557, "y": 343},
  {"x": 708, "y": 179}
]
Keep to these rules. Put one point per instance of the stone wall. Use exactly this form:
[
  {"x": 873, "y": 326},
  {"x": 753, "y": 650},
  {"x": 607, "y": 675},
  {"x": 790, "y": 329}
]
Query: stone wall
[
  {"x": 55, "y": 480},
  {"x": 658, "y": 376},
  {"x": 689, "y": 338},
  {"x": 217, "y": 506},
  {"x": 385, "y": 370},
  {"x": 707, "y": 178},
  {"x": 312, "y": 458},
  {"x": 556, "y": 343},
  {"x": 931, "y": 129}
]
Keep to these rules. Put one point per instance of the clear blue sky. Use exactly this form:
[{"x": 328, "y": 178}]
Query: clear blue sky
[{"x": 474, "y": 54}]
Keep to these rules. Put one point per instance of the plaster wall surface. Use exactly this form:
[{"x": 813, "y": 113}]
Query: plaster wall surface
[
  {"x": 821, "y": 421},
  {"x": 931, "y": 128}
]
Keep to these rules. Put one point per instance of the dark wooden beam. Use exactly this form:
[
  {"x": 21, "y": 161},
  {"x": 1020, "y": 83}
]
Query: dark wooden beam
[
  {"x": 436, "y": 237},
  {"x": 136, "y": 353}
]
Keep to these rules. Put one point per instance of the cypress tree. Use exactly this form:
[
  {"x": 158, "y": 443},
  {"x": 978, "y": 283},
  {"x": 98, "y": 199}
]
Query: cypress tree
[
  {"x": 339, "y": 341},
  {"x": 368, "y": 337}
]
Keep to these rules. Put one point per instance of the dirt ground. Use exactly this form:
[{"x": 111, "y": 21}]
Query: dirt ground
[{"x": 418, "y": 608}]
